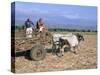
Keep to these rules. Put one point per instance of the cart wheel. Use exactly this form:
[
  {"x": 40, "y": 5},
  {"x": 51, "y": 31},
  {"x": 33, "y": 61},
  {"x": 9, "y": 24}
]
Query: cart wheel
[{"x": 38, "y": 53}]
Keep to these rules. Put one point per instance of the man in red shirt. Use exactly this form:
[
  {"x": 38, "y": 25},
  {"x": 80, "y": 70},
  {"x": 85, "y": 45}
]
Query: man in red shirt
[{"x": 40, "y": 25}]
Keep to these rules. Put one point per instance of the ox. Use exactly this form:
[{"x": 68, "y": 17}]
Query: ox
[{"x": 69, "y": 40}]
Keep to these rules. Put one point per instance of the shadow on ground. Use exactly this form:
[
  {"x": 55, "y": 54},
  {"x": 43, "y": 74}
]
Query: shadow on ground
[{"x": 26, "y": 53}]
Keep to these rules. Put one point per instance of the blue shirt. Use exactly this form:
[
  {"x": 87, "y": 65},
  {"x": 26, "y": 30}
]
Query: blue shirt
[{"x": 28, "y": 24}]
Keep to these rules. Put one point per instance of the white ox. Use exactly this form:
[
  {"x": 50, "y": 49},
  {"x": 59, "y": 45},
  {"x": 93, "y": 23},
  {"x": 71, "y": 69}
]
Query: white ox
[{"x": 61, "y": 41}]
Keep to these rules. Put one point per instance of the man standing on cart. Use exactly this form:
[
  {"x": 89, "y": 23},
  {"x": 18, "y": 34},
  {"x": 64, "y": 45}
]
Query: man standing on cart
[{"x": 29, "y": 28}]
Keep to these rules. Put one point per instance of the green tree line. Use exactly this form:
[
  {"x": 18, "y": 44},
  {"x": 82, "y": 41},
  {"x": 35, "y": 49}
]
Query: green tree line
[
  {"x": 70, "y": 30},
  {"x": 18, "y": 28}
]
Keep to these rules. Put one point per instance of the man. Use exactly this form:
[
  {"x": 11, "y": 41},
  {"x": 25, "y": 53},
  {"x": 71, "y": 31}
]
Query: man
[
  {"x": 40, "y": 25},
  {"x": 29, "y": 28}
]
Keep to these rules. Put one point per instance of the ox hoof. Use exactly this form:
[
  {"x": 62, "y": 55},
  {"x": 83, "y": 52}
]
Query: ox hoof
[
  {"x": 59, "y": 55},
  {"x": 75, "y": 52}
]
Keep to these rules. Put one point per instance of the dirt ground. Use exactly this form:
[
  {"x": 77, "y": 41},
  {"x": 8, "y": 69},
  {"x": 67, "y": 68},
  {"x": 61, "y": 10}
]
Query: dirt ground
[{"x": 86, "y": 58}]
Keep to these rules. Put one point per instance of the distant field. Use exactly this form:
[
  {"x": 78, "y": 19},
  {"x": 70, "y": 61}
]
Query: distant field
[{"x": 84, "y": 33}]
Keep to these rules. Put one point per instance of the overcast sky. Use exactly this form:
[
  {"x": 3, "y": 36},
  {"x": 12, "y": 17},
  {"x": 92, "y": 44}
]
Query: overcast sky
[{"x": 56, "y": 13}]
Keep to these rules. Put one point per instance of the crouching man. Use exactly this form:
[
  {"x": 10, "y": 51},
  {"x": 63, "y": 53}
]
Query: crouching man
[{"x": 29, "y": 28}]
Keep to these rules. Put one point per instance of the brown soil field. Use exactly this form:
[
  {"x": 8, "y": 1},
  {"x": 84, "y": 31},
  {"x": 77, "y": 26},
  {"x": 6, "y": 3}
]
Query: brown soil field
[{"x": 86, "y": 58}]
